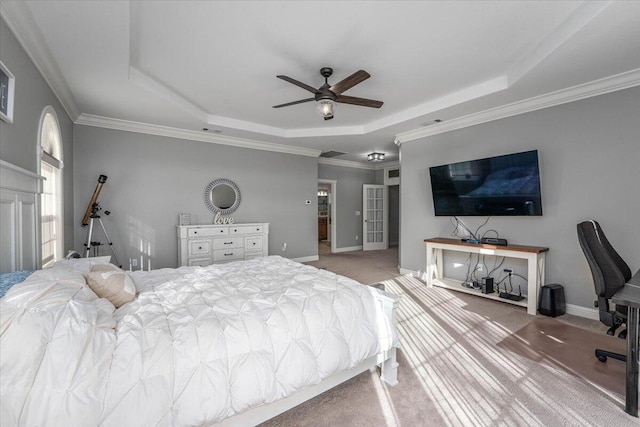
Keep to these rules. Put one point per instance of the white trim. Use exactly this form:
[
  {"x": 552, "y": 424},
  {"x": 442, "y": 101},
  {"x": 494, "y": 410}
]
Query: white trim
[
  {"x": 306, "y": 258},
  {"x": 26, "y": 30},
  {"x": 20, "y": 188},
  {"x": 575, "y": 93},
  {"x": 10, "y": 94},
  {"x": 357, "y": 165},
  {"x": 59, "y": 241},
  {"x": 333, "y": 216},
  {"x": 12, "y": 178},
  {"x": 345, "y": 163},
  {"x": 170, "y": 132},
  {"x": 577, "y": 310},
  {"x": 412, "y": 273},
  {"x": 348, "y": 249}
]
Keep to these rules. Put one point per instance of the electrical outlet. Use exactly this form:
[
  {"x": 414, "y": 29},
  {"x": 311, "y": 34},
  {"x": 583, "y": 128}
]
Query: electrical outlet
[
  {"x": 479, "y": 268},
  {"x": 134, "y": 262},
  {"x": 284, "y": 247},
  {"x": 357, "y": 237}
]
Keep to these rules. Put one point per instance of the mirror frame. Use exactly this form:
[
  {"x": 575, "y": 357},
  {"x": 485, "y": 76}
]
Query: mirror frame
[{"x": 208, "y": 193}]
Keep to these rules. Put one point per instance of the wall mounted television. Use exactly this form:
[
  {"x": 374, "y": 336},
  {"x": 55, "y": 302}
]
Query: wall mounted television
[{"x": 506, "y": 185}]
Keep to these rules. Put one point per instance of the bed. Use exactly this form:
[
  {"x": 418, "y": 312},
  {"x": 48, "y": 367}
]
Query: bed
[{"x": 231, "y": 344}]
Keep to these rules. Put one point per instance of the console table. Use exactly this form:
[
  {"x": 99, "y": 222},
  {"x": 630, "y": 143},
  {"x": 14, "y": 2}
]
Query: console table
[{"x": 534, "y": 255}]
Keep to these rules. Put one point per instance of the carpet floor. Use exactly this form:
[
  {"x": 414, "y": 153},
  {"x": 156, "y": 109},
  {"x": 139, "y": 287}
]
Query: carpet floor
[{"x": 468, "y": 361}]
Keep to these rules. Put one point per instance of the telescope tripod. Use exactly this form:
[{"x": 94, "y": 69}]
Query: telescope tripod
[{"x": 95, "y": 245}]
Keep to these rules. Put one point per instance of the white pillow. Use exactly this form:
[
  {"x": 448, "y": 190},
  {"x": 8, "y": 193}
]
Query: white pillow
[{"x": 83, "y": 265}]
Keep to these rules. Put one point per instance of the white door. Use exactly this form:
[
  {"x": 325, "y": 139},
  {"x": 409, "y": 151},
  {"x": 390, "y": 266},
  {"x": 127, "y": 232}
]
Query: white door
[{"x": 374, "y": 227}]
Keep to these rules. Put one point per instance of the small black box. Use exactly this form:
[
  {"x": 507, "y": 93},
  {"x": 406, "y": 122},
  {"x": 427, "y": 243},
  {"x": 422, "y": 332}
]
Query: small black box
[
  {"x": 552, "y": 300},
  {"x": 487, "y": 285}
]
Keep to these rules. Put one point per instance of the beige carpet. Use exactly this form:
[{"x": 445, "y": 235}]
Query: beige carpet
[{"x": 453, "y": 369}]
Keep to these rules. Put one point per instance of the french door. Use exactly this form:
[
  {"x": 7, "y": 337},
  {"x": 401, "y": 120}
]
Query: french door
[{"x": 375, "y": 234}]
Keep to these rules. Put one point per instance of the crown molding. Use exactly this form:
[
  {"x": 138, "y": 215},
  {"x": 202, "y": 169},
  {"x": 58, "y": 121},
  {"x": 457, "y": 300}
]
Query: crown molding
[
  {"x": 21, "y": 22},
  {"x": 357, "y": 165},
  {"x": 137, "y": 127},
  {"x": 387, "y": 165},
  {"x": 345, "y": 163},
  {"x": 575, "y": 93}
]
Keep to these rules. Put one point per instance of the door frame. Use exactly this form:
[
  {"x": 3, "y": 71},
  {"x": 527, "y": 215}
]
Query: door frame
[
  {"x": 385, "y": 217},
  {"x": 333, "y": 201}
]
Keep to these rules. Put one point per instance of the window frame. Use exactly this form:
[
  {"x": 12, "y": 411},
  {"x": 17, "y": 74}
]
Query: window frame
[{"x": 58, "y": 165}]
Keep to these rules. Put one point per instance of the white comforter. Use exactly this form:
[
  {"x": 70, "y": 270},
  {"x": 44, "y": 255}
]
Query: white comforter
[{"x": 196, "y": 346}]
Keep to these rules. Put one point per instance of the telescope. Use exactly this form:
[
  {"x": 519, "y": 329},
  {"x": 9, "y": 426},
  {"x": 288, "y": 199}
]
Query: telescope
[
  {"x": 93, "y": 204},
  {"x": 90, "y": 215}
]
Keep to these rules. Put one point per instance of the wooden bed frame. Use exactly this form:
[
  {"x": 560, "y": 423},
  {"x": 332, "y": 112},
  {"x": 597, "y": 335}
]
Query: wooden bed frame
[{"x": 386, "y": 360}]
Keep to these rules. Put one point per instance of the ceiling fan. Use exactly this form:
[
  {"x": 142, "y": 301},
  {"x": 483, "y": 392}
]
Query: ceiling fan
[{"x": 326, "y": 96}]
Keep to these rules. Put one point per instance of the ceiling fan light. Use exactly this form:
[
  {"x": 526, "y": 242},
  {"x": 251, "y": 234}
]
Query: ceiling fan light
[
  {"x": 326, "y": 107},
  {"x": 375, "y": 157}
]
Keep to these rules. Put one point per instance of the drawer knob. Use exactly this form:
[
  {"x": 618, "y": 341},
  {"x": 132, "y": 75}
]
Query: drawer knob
[
  {"x": 200, "y": 247},
  {"x": 228, "y": 254},
  {"x": 228, "y": 243},
  {"x": 195, "y": 232}
]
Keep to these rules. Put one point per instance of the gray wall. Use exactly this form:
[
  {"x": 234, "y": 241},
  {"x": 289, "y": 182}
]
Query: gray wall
[
  {"x": 589, "y": 154},
  {"x": 394, "y": 214},
  {"x": 349, "y": 191},
  {"x": 151, "y": 179},
  {"x": 19, "y": 140}
]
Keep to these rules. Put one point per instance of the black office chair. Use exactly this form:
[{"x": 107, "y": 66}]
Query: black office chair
[{"x": 610, "y": 273}]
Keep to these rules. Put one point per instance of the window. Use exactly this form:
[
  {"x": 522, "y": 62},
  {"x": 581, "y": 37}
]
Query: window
[{"x": 51, "y": 199}]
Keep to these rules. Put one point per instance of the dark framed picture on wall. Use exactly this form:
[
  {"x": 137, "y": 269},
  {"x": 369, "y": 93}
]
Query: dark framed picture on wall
[{"x": 7, "y": 88}]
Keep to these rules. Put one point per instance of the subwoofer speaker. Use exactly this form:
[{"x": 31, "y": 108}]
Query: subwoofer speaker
[{"x": 552, "y": 300}]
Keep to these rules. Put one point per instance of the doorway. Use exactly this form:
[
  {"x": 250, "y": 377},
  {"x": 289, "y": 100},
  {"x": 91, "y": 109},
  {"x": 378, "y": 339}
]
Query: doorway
[
  {"x": 375, "y": 233},
  {"x": 327, "y": 223}
]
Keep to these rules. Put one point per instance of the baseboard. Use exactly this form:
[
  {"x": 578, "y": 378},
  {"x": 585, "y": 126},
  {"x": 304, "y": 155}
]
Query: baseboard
[
  {"x": 413, "y": 273},
  {"x": 578, "y": 310},
  {"x": 306, "y": 258},
  {"x": 348, "y": 249}
]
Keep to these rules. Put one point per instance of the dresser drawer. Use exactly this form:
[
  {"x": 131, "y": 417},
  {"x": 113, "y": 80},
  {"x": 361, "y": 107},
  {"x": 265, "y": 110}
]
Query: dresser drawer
[
  {"x": 246, "y": 229},
  {"x": 199, "y": 262},
  {"x": 228, "y": 254},
  {"x": 228, "y": 242},
  {"x": 199, "y": 247},
  {"x": 206, "y": 232},
  {"x": 253, "y": 243}
]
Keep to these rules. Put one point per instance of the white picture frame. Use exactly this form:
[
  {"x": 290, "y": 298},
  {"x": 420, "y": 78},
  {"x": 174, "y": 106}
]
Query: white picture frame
[{"x": 7, "y": 91}]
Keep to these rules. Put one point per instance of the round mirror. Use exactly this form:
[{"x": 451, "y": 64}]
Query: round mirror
[{"x": 222, "y": 195}]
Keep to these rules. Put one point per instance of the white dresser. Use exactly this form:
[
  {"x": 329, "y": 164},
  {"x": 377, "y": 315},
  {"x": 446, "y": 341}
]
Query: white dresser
[{"x": 211, "y": 244}]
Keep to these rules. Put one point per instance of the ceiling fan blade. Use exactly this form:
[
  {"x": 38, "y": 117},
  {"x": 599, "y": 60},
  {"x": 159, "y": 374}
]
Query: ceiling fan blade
[
  {"x": 359, "y": 101},
  {"x": 299, "y": 84},
  {"x": 294, "y": 102},
  {"x": 349, "y": 82}
]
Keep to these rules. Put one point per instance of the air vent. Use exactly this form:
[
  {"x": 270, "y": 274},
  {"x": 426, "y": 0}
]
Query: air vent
[{"x": 329, "y": 154}]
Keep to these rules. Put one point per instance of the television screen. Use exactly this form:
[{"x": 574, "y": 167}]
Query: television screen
[{"x": 506, "y": 185}]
